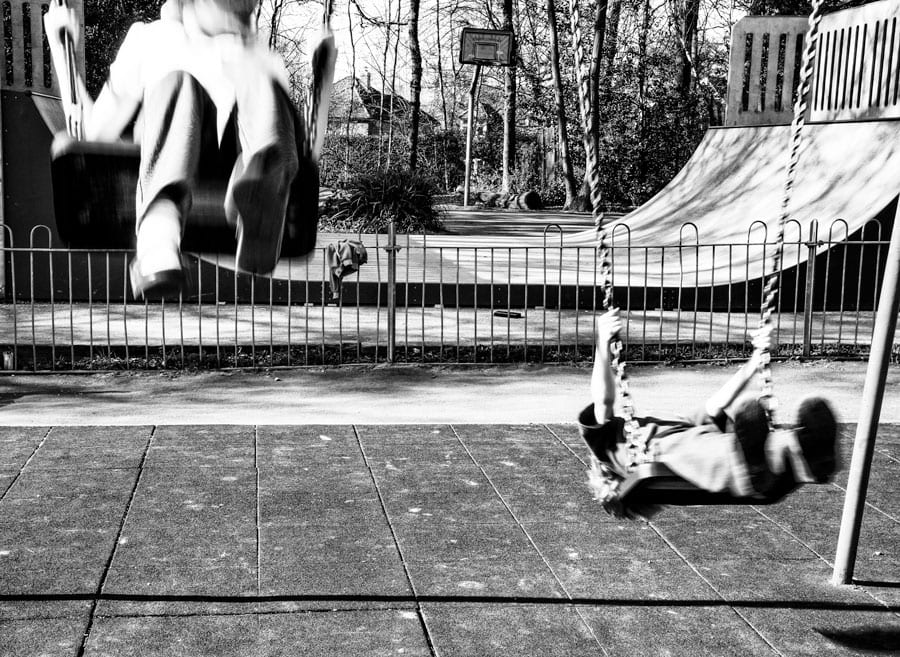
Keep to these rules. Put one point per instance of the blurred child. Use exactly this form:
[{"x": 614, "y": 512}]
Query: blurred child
[
  {"x": 726, "y": 446},
  {"x": 206, "y": 98}
]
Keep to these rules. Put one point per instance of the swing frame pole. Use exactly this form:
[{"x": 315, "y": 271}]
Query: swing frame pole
[{"x": 870, "y": 411}]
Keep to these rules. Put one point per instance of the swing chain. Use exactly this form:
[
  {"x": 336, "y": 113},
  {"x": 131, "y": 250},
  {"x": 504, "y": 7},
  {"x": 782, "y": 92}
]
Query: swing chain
[
  {"x": 767, "y": 397},
  {"x": 637, "y": 446}
]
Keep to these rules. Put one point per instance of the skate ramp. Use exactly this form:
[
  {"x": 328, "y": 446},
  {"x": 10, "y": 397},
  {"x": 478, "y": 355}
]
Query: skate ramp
[{"x": 731, "y": 191}]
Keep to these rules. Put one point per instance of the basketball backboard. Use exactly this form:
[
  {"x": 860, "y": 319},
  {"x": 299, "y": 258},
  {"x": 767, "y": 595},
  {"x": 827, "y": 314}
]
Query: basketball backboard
[{"x": 486, "y": 47}]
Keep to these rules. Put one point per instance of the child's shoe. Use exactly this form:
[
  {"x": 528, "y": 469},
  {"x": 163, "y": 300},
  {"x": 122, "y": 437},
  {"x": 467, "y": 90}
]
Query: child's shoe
[
  {"x": 817, "y": 434},
  {"x": 751, "y": 424},
  {"x": 260, "y": 196},
  {"x": 156, "y": 271}
]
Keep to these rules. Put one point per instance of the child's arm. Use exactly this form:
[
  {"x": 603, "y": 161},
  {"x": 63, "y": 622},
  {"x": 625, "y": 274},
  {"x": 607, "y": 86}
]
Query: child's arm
[
  {"x": 107, "y": 118},
  {"x": 724, "y": 397},
  {"x": 603, "y": 380}
]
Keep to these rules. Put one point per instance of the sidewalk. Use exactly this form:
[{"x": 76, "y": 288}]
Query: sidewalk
[{"x": 409, "y": 511}]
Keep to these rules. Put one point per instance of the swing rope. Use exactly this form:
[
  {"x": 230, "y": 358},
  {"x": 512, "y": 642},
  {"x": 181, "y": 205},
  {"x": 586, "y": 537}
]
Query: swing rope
[
  {"x": 636, "y": 447},
  {"x": 764, "y": 369}
]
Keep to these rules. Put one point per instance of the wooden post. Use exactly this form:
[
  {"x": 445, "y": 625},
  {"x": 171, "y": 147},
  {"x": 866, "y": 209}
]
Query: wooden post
[
  {"x": 870, "y": 410},
  {"x": 473, "y": 94}
]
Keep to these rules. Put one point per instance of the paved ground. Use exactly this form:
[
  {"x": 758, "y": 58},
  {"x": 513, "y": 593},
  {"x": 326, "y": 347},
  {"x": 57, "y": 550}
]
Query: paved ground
[{"x": 406, "y": 511}]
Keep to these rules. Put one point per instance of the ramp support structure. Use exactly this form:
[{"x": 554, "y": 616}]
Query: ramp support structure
[{"x": 870, "y": 411}]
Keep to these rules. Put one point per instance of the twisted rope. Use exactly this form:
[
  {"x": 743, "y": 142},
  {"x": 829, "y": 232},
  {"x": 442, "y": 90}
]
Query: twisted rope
[
  {"x": 767, "y": 397},
  {"x": 636, "y": 447}
]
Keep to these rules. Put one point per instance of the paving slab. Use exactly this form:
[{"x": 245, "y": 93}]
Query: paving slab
[
  {"x": 676, "y": 631},
  {"x": 372, "y": 633},
  {"x": 189, "y": 531},
  {"x": 87, "y": 448},
  {"x": 17, "y": 444},
  {"x": 524, "y": 576},
  {"x": 203, "y": 446},
  {"x": 826, "y": 632},
  {"x": 175, "y": 636},
  {"x": 45, "y": 637},
  {"x": 509, "y": 629},
  {"x": 504, "y": 541}
]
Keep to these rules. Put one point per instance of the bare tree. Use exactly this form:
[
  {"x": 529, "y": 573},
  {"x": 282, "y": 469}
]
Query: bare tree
[
  {"x": 509, "y": 120},
  {"x": 568, "y": 172},
  {"x": 415, "y": 83}
]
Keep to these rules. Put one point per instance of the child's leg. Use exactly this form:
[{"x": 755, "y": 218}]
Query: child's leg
[
  {"x": 751, "y": 425},
  {"x": 260, "y": 185},
  {"x": 171, "y": 135}
]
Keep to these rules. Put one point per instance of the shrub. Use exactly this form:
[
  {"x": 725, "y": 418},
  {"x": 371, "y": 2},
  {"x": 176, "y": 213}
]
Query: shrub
[{"x": 373, "y": 200}]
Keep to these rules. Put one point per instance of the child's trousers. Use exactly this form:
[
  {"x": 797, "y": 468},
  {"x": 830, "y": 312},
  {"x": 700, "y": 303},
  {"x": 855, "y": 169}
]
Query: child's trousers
[{"x": 257, "y": 156}]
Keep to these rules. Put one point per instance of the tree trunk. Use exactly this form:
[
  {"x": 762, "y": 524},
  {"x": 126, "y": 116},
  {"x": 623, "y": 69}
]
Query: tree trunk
[
  {"x": 352, "y": 89},
  {"x": 561, "y": 123},
  {"x": 642, "y": 90},
  {"x": 509, "y": 121},
  {"x": 596, "y": 70},
  {"x": 415, "y": 85},
  {"x": 391, "y": 122},
  {"x": 688, "y": 46}
]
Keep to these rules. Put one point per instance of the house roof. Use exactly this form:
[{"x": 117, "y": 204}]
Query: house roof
[{"x": 368, "y": 103}]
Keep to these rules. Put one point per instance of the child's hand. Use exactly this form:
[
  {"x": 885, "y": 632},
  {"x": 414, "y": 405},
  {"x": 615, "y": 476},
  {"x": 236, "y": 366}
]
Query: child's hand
[
  {"x": 59, "y": 20},
  {"x": 608, "y": 326}
]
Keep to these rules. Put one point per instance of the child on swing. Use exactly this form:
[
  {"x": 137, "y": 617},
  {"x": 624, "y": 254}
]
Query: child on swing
[
  {"x": 206, "y": 99},
  {"x": 726, "y": 446}
]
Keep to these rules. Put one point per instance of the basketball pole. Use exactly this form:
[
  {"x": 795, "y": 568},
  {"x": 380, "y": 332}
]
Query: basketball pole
[
  {"x": 870, "y": 411},
  {"x": 473, "y": 93}
]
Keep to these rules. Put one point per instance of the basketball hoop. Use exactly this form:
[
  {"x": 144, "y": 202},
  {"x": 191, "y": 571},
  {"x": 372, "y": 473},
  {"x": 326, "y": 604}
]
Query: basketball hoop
[{"x": 486, "y": 47}]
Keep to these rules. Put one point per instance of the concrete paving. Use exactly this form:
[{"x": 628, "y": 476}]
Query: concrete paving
[{"x": 411, "y": 511}]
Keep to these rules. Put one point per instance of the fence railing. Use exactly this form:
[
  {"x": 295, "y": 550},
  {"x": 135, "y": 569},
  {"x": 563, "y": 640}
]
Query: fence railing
[{"x": 433, "y": 299}]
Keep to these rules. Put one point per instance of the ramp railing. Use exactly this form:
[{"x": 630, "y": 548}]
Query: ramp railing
[{"x": 856, "y": 72}]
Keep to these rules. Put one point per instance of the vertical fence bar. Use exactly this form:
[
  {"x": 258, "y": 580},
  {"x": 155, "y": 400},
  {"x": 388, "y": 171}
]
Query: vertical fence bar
[
  {"x": 271, "y": 319},
  {"x": 109, "y": 348},
  {"x": 125, "y": 311},
  {"x": 391, "y": 291},
  {"x": 406, "y": 304},
  {"x": 810, "y": 285},
  {"x": 290, "y": 309},
  {"x": 71, "y": 311},
  {"x": 475, "y": 306},
  {"x": 424, "y": 288},
  {"x": 491, "y": 317}
]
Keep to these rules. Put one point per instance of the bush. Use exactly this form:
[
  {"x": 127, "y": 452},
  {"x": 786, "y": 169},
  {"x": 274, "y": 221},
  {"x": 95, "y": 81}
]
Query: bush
[{"x": 373, "y": 200}]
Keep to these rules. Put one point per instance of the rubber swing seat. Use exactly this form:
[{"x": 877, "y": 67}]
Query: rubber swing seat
[
  {"x": 656, "y": 484},
  {"x": 94, "y": 187}
]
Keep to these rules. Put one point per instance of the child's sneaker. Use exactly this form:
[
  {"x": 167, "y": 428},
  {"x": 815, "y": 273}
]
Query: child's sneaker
[
  {"x": 751, "y": 425},
  {"x": 156, "y": 271},
  {"x": 158, "y": 284},
  {"x": 817, "y": 434},
  {"x": 260, "y": 197}
]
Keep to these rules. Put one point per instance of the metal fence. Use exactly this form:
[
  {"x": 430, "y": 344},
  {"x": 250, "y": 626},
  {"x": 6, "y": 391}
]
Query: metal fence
[{"x": 433, "y": 299}]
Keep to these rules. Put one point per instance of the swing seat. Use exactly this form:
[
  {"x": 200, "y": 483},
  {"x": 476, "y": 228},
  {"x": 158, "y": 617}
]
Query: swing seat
[
  {"x": 94, "y": 187},
  {"x": 654, "y": 484}
]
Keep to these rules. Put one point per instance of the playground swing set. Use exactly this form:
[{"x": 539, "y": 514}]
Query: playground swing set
[{"x": 93, "y": 184}]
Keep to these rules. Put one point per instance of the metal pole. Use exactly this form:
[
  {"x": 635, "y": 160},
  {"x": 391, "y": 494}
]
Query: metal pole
[
  {"x": 473, "y": 92},
  {"x": 392, "y": 291},
  {"x": 872, "y": 396},
  {"x": 808, "y": 296}
]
